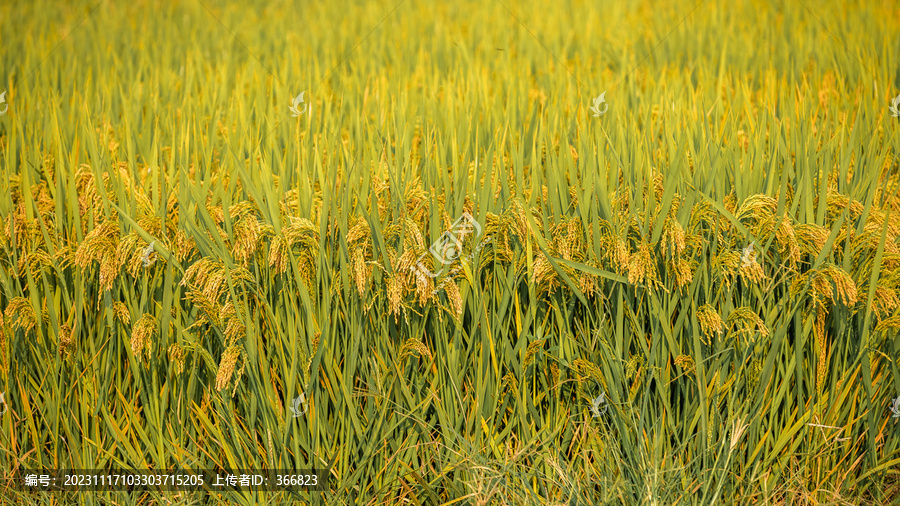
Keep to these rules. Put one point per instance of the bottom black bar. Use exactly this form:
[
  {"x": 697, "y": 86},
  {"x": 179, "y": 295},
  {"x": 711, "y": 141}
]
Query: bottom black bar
[{"x": 84, "y": 480}]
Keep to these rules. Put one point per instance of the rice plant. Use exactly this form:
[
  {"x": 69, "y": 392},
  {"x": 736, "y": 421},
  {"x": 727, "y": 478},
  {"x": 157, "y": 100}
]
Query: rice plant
[{"x": 224, "y": 244}]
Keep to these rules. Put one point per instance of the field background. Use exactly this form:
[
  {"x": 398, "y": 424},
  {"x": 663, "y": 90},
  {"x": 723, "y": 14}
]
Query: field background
[{"x": 611, "y": 259}]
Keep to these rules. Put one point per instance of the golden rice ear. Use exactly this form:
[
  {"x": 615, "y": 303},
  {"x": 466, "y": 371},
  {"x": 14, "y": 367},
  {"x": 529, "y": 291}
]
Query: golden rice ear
[
  {"x": 533, "y": 348},
  {"x": 634, "y": 366},
  {"x": 278, "y": 254},
  {"x": 585, "y": 370},
  {"x": 415, "y": 346},
  {"x": 749, "y": 321},
  {"x": 226, "y": 367},
  {"x": 811, "y": 238},
  {"x": 587, "y": 283},
  {"x": 642, "y": 267},
  {"x": 686, "y": 362},
  {"x": 885, "y": 302},
  {"x": 141, "y": 338},
  {"x": 209, "y": 314},
  {"x": 729, "y": 202},
  {"x": 100, "y": 245},
  {"x": 509, "y": 383},
  {"x": 20, "y": 315},
  {"x": 414, "y": 237},
  {"x": 844, "y": 290},
  {"x": 752, "y": 272},
  {"x": 673, "y": 237},
  {"x": 396, "y": 290},
  {"x": 682, "y": 271},
  {"x": 892, "y": 323},
  {"x": 619, "y": 255},
  {"x": 711, "y": 323},
  {"x": 359, "y": 232},
  {"x": 247, "y": 233},
  {"x": 4, "y": 349},
  {"x": 786, "y": 239},
  {"x": 822, "y": 346},
  {"x": 836, "y": 203},
  {"x": 544, "y": 275},
  {"x": 121, "y": 313},
  {"x": 231, "y": 316},
  {"x": 66, "y": 342},
  {"x": 757, "y": 208},
  {"x": 424, "y": 284},
  {"x": 454, "y": 297},
  {"x": 176, "y": 355},
  {"x": 361, "y": 271}
]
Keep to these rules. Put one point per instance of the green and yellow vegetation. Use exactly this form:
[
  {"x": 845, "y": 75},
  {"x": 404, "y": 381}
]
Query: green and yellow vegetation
[{"x": 718, "y": 254}]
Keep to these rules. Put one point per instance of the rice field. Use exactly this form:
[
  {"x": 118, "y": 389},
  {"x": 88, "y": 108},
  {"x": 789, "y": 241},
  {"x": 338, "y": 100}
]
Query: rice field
[{"x": 465, "y": 253}]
